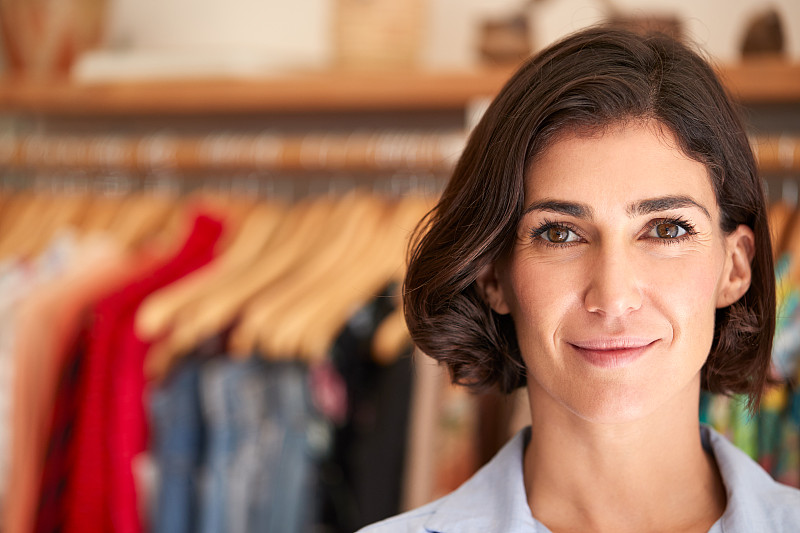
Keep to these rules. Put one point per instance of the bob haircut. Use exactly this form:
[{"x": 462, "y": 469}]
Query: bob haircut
[{"x": 587, "y": 82}]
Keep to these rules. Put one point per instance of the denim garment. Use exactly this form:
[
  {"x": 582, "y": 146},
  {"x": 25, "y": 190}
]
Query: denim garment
[
  {"x": 265, "y": 440},
  {"x": 494, "y": 499},
  {"x": 218, "y": 379},
  {"x": 178, "y": 442}
]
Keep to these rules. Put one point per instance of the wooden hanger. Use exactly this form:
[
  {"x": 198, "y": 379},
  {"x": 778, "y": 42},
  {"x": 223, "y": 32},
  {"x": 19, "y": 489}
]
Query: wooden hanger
[
  {"x": 359, "y": 285},
  {"x": 30, "y": 219},
  {"x": 221, "y": 304},
  {"x": 392, "y": 337},
  {"x": 162, "y": 222},
  {"x": 279, "y": 318},
  {"x": 282, "y": 275},
  {"x": 29, "y": 208},
  {"x": 158, "y": 312},
  {"x": 308, "y": 325},
  {"x": 144, "y": 216},
  {"x": 105, "y": 209},
  {"x": 310, "y": 259},
  {"x": 12, "y": 210},
  {"x": 68, "y": 211}
]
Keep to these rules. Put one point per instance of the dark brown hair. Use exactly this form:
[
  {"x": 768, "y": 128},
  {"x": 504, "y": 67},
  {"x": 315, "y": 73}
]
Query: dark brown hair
[{"x": 590, "y": 80}]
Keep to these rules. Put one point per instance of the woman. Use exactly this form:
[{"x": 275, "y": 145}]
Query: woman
[{"x": 603, "y": 242}]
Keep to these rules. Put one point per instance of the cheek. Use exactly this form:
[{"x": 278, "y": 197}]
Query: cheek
[
  {"x": 691, "y": 282},
  {"x": 542, "y": 295},
  {"x": 685, "y": 291}
]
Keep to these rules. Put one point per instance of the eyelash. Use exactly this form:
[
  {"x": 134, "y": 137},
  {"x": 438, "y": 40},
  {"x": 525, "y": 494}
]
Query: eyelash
[
  {"x": 546, "y": 225},
  {"x": 678, "y": 221}
]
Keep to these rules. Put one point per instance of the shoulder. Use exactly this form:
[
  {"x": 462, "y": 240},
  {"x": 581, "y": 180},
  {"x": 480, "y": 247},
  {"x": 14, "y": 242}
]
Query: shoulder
[
  {"x": 775, "y": 508},
  {"x": 784, "y": 503},
  {"x": 756, "y": 502},
  {"x": 491, "y": 500},
  {"x": 781, "y": 504},
  {"x": 409, "y": 522}
]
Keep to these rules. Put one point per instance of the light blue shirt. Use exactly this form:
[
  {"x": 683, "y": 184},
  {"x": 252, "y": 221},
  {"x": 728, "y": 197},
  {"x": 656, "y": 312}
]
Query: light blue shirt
[{"x": 494, "y": 499}]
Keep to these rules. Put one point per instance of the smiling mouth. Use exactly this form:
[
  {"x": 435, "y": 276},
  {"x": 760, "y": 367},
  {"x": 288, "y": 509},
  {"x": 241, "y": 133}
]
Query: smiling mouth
[{"x": 612, "y": 353}]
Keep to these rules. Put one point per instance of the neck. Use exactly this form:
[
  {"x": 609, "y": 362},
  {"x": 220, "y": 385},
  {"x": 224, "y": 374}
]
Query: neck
[{"x": 650, "y": 474}]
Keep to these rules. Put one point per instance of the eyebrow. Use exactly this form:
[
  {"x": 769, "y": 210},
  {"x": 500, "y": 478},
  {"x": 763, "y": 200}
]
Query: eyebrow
[
  {"x": 664, "y": 203},
  {"x": 640, "y": 208},
  {"x": 572, "y": 209}
]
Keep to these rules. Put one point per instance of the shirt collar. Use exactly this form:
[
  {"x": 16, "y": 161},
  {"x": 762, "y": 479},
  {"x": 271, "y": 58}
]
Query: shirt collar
[
  {"x": 494, "y": 498},
  {"x": 748, "y": 487}
]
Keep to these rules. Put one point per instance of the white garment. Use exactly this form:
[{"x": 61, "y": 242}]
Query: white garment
[{"x": 494, "y": 499}]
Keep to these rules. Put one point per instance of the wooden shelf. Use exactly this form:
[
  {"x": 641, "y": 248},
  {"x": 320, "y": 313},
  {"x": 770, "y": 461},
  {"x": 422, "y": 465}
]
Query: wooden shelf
[
  {"x": 388, "y": 151},
  {"x": 321, "y": 92},
  {"x": 355, "y": 152},
  {"x": 763, "y": 81},
  {"x": 751, "y": 82}
]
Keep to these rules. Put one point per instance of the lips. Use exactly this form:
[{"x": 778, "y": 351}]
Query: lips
[{"x": 612, "y": 352}]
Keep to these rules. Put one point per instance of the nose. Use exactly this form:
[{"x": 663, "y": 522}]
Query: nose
[{"x": 614, "y": 284}]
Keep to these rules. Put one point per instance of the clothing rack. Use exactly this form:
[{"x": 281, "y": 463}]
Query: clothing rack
[
  {"x": 380, "y": 151},
  {"x": 450, "y": 422},
  {"x": 325, "y": 256},
  {"x": 447, "y": 419}
]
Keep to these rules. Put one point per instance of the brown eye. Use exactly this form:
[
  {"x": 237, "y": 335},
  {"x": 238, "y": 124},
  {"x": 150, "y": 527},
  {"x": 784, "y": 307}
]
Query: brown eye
[
  {"x": 557, "y": 234},
  {"x": 668, "y": 230}
]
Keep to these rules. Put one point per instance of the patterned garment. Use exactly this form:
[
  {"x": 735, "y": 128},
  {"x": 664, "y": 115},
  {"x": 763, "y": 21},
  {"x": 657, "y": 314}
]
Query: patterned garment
[{"x": 772, "y": 435}]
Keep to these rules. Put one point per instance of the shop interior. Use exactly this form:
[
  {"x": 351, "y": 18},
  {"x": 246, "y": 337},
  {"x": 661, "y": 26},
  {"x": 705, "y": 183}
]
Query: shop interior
[{"x": 205, "y": 208}]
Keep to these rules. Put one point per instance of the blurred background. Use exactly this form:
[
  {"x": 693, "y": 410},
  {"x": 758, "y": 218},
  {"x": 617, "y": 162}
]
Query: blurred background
[{"x": 204, "y": 211}]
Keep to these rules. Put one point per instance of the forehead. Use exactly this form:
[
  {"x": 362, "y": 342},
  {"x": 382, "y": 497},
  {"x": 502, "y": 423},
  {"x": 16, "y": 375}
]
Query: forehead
[{"x": 618, "y": 165}]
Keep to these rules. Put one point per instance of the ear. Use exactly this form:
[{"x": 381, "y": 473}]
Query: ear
[
  {"x": 737, "y": 273},
  {"x": 491, "y": 290}
]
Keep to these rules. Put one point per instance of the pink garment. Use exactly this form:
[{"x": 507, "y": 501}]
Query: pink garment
[{"x": 48, "y": 321}]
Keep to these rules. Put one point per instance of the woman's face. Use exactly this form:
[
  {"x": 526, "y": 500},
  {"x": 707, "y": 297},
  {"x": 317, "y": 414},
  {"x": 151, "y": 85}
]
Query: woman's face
[{"x": 618, "y": 267}]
